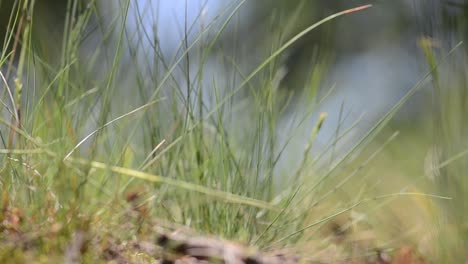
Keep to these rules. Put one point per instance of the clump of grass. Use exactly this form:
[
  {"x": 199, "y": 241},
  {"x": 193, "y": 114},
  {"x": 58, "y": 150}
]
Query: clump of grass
[{"x": 102, "y": 145}]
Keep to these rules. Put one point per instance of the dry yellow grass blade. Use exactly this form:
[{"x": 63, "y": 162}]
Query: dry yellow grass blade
[{"x": 225, "y": 196}]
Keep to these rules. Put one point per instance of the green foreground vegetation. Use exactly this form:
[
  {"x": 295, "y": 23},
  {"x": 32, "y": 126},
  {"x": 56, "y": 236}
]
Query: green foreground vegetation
[{"x": 112, "y": 149}]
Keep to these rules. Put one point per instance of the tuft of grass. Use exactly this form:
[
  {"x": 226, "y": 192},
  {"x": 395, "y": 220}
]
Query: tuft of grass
[{"x": 112, "y": 143}]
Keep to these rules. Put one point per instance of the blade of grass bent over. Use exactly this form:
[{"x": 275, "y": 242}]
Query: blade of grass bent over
[
  {"x": 265, "y": 63},
  {"x": 283, "y": 48},
  {"x": 108, "y": 123},
  {"x": 226, "y": 196}
]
